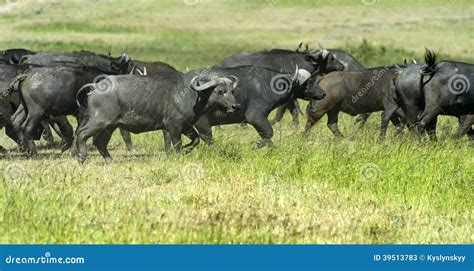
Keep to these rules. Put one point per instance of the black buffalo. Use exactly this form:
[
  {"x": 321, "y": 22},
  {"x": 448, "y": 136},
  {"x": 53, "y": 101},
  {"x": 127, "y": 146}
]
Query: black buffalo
[
  {"x": 409, "y": 89},
  {"x": 447, "y": 88},
  {"x": 259, "y": 92},
  {"x": 13, "y": 56},
  {"x": 166, "y": 101},
  {"x": 51, "y": 91}
]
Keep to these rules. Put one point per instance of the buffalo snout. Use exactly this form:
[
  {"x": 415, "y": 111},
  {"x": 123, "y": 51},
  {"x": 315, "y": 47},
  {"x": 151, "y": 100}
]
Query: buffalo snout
[{"x": 233, "y": 108}]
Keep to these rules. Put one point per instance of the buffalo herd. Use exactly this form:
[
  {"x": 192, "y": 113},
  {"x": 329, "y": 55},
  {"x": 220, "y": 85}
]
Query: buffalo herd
[{"x": 38, "y": 90}]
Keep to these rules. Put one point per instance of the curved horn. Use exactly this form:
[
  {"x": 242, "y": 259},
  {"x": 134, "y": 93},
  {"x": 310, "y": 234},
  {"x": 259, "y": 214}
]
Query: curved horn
[
  {"x": 321, "y": 46},
  {"x": 299, "y": 47},
  {"x": 207, "y": 85},
  {"x": 133, "y": 69},
  {"x": 144, "y": 71},
  {"x": 139, "y": 72},
  {"x": 414, "y": 60},
  {"x": 236, "y": 81},
  {"x": 294, "y": 77}
]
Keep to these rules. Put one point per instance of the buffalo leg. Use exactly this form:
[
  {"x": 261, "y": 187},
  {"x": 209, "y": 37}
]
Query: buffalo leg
[
  {"x": 292, "y": 106},
  {"x": 264, "y": 129},
  {"x": 30, "y": 128},
  {"x": 205, "y": 131},
  {"x": 17, "y": 120},
  {"x": 333, "y": 118},
  {"x": 428, "y": 115},
  {"x": 84, "y": 132},
  {"x": 175, "y": 136},
  {"x": 192, "y": 134},
  {"x": 47, "y": 135},
  {"x": 387, "y": 115},
  {"x": 431, "y": 129},
  {"x": 63, "y": 128},
  {"x": 362, "y": 119},
  {"x": 127, "y": 139},
  {"x": 12, "y": 133},
  {"x": 280, "y": 112},
  {"x": 101, "y": 140},
  {"x": 167, "y": 141},
  {"x": 313, "y": 115},
  {"x": 465, "y": 126}
]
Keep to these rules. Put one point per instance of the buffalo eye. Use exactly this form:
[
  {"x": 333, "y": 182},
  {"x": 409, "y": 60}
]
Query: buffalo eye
[{"x": 221, "y": 92}]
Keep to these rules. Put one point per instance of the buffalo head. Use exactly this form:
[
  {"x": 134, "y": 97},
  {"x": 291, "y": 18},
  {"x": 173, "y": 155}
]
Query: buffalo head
[
  {"x": 122, "y": 65},
  {"x": 324, "y": 61},
  {"x": 219, "y": 90}
]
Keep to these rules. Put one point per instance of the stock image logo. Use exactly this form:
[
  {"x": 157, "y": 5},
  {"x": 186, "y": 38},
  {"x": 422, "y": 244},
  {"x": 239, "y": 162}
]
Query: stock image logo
[
  {"x": 191, "y": 2},
  {"x": 103, "y": 83},
  {"x": 192, "y": 172},
  {"x": 14, "y": 172},
  {"x": 369, "y": 2},
  {"x": 458, "y": 84},
  {"x": 370, "y": 172},
  {"x": 281, "y": 84}
]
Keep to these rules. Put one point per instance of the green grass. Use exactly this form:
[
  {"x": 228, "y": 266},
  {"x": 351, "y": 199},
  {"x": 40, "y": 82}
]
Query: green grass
[{"x": 313, "y": 189}]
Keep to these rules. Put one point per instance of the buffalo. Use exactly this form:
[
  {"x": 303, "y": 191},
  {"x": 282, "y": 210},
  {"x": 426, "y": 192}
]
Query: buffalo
[
  {"x": 409, "y": 87},
  {"x": 349, "y": 63},
  {"x": 447, "y": 89},
  {"x": 14, "y": 56},
  {"x": 52, "y": 91},
  {"x": 354, "y": 93},
  {"x": 259, "y": 92},
  {"x": 168, "y": 101}
]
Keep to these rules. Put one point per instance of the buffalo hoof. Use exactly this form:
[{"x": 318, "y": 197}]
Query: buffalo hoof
[
  {"x": 187, "y": 150},
  {"x": 108, "y": 160},
  {"x": 262, "y": 143},
  {"x": 81, "y": 158}
]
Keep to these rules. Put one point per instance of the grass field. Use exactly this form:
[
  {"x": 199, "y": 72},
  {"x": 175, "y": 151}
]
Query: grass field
[{"x": 313, "y": 189}]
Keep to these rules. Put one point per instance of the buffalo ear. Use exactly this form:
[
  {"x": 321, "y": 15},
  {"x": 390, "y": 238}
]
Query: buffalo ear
[
  {"x": 235, "y": 81},
  {"x": 405, "y": 62}
]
